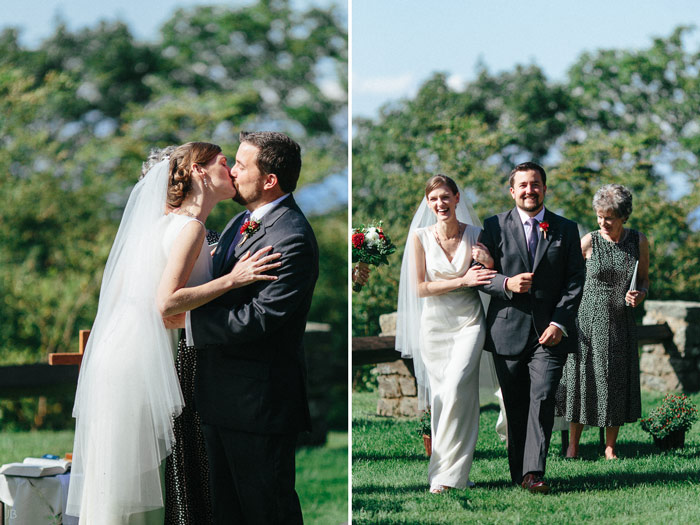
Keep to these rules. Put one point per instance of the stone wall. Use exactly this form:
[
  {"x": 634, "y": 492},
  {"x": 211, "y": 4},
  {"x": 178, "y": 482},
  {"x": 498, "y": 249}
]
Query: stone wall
[
  {"x": 673, "y": 365},
  {"x": 398, "y": 395}
]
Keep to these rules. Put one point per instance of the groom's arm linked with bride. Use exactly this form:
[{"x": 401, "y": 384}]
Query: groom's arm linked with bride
[
  {"x": 250, "y": 388},
  {"x": 531, "y": 317}
]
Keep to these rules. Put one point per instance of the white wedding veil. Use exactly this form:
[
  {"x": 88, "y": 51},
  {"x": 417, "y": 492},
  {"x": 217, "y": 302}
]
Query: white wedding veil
[
  {"x": 410, "y": 307},
  {"x": 128, "y": 392}
]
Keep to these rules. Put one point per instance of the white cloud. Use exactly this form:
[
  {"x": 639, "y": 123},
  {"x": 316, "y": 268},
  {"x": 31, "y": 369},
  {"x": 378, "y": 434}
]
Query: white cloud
[{"x": 456, "y": 82}]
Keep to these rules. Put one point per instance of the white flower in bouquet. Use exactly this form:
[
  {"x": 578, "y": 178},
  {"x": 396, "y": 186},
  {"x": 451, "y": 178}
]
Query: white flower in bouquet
[{"x": 372, "y": 237}]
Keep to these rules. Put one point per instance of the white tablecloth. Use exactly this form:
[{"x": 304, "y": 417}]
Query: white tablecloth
[{"x": 35, "y": 501}]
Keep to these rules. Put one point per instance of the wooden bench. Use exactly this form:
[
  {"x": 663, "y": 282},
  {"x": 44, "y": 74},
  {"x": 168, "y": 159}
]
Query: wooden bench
[
  {"x": 372, "y": 350},
  {"x": 381, "y": 349}
]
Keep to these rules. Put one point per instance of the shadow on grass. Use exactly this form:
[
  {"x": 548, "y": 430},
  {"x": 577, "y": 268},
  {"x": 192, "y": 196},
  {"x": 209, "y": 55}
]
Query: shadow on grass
[
  {"x": 632, "y": 449},
  {"x": 482, "y": 455},
  {"x": 357, "y": 456},
  {"x": 393, "y": 490},
  {"x": 386, "y": 501},
  {"x": 616, "y": 481},
  {"x": 491, "y": 454}
]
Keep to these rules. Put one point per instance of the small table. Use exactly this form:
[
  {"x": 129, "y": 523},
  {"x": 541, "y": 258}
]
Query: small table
[{"x": 35, "y": 501}]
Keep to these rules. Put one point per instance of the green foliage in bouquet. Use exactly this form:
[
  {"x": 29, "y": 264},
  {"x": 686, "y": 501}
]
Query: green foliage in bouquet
[
  {"x": 424, "y": 428},
  {"x": 676, "y": 412},
  {"x": 371, "y": 244}
]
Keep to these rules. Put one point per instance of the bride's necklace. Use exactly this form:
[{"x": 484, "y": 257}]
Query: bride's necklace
[
  {"x": 460, "y": 231},
  {"x": 180, "y": 211}
]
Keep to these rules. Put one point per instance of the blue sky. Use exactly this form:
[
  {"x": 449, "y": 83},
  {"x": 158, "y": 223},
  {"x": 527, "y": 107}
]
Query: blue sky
[
  {"x": 144, "y": 17},
  {"x": 397, "y": 44}
]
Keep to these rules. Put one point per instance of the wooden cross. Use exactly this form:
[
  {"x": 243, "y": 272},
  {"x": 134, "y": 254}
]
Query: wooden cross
[{"x": 71, "y": 358}]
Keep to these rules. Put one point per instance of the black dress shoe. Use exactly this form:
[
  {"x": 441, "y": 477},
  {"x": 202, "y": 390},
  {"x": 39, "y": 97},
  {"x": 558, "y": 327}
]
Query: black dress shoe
[{"x": 534, "y": 484}]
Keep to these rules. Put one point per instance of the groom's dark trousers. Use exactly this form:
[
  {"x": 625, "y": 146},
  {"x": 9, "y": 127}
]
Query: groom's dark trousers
[
  {"x": 250, "y": 383},
  {"x": 529, "y": 384},
  {"x": 528, "y": 372}
]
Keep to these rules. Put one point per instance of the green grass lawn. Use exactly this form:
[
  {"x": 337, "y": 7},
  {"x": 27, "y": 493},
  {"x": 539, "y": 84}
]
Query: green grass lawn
[
  {"x": 389, "y": 478},
  {"x": 322, "y": 472},
  {"x": 322, "y": 481}
]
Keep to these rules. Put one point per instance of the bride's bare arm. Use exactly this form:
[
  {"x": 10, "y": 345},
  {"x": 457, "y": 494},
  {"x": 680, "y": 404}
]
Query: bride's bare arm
[
  {"x": 473, "y": 277},
  {"x": 174, "y": 298}
]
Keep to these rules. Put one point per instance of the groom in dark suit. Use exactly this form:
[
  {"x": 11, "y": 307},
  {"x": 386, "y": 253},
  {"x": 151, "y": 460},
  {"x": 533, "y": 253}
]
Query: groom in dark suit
[
  {"x": 250, "y": 386},
  {"x": 531, "y": 317}
]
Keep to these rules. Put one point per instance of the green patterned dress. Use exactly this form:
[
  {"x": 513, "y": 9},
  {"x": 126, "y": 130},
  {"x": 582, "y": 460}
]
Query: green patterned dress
[{"x": 600, "y": 382}]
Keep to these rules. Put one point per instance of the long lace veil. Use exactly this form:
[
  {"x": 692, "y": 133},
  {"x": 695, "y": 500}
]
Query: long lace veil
[
  {"x": 410, "y": 307},
  {"x": 128, "y": 391}
]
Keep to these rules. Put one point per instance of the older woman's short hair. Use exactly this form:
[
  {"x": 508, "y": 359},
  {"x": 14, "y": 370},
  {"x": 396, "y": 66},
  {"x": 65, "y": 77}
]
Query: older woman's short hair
[{"x": 614, "y": 197}]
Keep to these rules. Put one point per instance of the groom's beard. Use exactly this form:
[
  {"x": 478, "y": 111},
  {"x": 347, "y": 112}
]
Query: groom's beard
[
  {"x": 245, "y": 200},
  {"x": 539, "y": 202}
]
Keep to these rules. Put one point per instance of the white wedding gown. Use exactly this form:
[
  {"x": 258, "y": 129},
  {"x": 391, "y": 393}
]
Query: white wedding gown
[
  {"x": 128, "y": 394},
  {"x": 452, "y": 333}
]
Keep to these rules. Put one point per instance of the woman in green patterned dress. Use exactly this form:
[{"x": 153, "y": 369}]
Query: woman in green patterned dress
[{"x": 600, "y": 383}]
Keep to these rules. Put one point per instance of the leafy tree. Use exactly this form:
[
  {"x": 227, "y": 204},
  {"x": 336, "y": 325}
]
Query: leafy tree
[{"x": 81, "y": 112}]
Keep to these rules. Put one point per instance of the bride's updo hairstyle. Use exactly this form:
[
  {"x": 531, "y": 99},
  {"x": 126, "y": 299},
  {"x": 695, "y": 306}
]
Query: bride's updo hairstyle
[
  {"x": 181, "y": 160},
  {"x": 440, "y": 180}
]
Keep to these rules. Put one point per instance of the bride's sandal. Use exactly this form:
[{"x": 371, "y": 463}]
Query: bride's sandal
[{"x": 441, "y": 489}]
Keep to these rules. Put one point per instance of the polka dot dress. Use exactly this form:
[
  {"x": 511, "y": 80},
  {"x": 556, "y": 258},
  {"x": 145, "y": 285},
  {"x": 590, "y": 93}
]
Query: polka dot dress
[
  {"x": 600, "y": 382},
  {"x": 187, "y": 470},
  {"x": 187, "y": 500}
]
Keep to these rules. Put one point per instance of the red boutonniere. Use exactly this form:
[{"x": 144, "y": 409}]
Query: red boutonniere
[
  {"x": 247, "y": 229},
  {"x": 544, "y": 228}
]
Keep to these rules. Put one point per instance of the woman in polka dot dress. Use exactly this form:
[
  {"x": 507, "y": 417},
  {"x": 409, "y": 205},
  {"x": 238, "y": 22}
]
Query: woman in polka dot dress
[{"x": 600, "y": 383}]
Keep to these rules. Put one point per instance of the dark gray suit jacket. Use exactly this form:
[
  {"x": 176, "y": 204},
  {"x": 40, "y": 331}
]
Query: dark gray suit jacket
[
  {"x": 557, "y": 284},
  {"x": 251, "y": 372}
]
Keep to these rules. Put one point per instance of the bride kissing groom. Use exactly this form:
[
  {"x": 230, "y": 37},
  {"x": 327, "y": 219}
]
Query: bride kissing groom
[{"x": 244, "y": 326}]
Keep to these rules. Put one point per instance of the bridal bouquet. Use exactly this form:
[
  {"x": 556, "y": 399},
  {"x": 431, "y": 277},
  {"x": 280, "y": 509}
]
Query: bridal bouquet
[{"x": 370, "y": 246}]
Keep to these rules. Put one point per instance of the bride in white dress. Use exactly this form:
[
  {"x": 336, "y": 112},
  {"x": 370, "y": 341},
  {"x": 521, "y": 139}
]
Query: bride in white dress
[
  {"x": 441, "y": 326},
  {"x": 128, "y": 391}
]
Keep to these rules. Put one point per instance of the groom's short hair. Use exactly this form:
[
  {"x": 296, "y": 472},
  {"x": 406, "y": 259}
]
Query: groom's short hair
[
  {"x": 278, "y": 154},
  {"x": 528, "y": 166}
]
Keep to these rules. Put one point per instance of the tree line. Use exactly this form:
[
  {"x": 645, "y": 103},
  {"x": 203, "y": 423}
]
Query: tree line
[{"x": 83, "y": 109}]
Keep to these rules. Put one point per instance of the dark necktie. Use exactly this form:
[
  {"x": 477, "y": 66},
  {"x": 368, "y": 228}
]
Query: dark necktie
[
  {"x": 237, "y": 237},
  {"x": 532, "y": 239}
]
